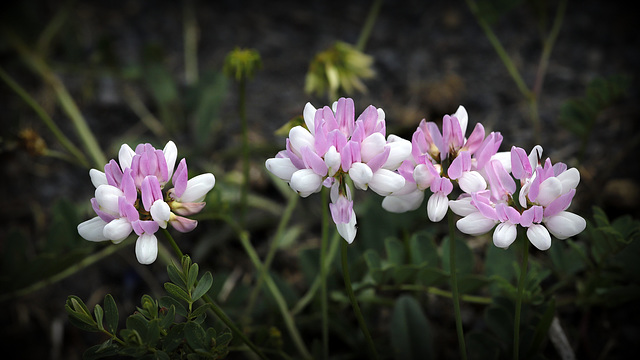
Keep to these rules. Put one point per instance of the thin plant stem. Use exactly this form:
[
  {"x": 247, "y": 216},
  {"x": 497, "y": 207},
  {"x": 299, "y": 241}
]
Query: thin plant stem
[
  {"x": 324, "y": 306},
  {"x": 273, "y": 247},
  {"x": 549, "y": 42},
  {"x": 368, "y": 25},
  {"x": 354, "y": 301},
  {"x": 313, "y": 289},
  {"x": 523, "y": 277},
  {"x": 482, "y": 300},
  {"x": 216, "y": 308},
  {"x": 69, "y": 106},
  {"x": 190, "y": 27},
  {"x": 85, "y": 262},
  {"x": 454, "y": 285},
  {"x": 275, "y": 292},
  {"x": 245, "y": 148},
  {"x": 46, "y": 119}
]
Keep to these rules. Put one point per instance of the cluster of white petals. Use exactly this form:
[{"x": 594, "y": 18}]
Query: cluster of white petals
[{"x": 130, "y": 197}]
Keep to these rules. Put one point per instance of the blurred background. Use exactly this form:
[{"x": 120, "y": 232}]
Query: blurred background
[{"x": 151, "y": 71}]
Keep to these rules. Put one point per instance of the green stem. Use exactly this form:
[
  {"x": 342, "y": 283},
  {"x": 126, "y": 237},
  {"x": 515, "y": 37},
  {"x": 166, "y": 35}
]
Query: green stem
[
  {"x": 454, "y": 285},
  {"x": 275, "y": 292},
  {"x": 245, "y": 148},
  {"x": 324, "y": 306},
  {"x": 354, "y": 301},
  {"x": 523, "y": 277},
  {"x": 313, "y": 289},
  {"x": 85, "y": 262},
  {"x": 190, "y": 27},
  {"x": 216, "y": 308},
  {"x": 273, "y": 247},
  {"x": 368, "y": 25},
  {"x": 482, "y": 300},
  {"x": 66, "y": 101},
  {"x": 46, "y": 119}
]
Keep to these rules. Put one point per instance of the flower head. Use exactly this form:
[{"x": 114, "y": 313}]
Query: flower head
[
  {"x": 333, "y": 144},
  {"x": 545, "y": 193},
  {"x": 130, "y": 196}
]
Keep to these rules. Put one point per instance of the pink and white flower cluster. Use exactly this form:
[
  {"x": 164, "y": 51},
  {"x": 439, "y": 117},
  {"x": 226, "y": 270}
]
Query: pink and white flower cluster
[
  {"x": 433, "y": 152},
  {"x": 545, "y": 193},
  {"x": 332, "y": 145},
  {"x": 130, "y": 196}
]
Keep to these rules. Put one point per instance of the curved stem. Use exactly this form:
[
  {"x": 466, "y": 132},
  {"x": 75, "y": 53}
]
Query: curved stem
[
  {"x": 454, "y": 285},
  {"x": 323, "y": 275},
  {"x": 523, "y": 277},
  {"x": 216, "y": 308},
  {"x": 245, "y": 149},
  {"x": 368, "y": 25},
  {"x": 354, "y": 301}
]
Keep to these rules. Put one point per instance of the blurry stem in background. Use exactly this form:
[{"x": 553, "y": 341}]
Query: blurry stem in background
[
  {"x": 531, "y": 96},
  {"x": 436, "y": 291},
  {"x": 313, "y": 289},
  {"x": 273, "y": 247},
  {"x": 190, "y": 26},
  {"x": 323, "y": 274},
  {"x": 138, "y": 107},
  {"x": 271, "y": 285},
  {"x": 42, "y": 114},
  {"x": 368, "y": 25},
  {"x": 354, "y": 301},
  {"x": 69, "y": 106},
  {"x": 85, "y": 262},
  {"x": 245, "y": 149},
  {"x": 454, "y": 285},
  {"x": 524, "y": 242},
  {"x": 214, "y": 306}
]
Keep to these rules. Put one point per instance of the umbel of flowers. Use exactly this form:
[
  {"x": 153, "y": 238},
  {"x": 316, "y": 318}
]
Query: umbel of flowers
[
  {"x": 438, "y": 158},
  {"x": 333, "y": 145},
  {"x": 540, "y": 205},
  {"x": 131, "y": 196}
]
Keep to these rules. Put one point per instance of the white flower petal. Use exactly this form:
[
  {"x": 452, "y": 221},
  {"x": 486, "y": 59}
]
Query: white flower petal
[
  {"x": 400, "y": 151},
  {"x": 309, "y": 115},
  {"x": 361, "y": 175},
  {"x": 403, "y": 203},
  {"x": 550, "y": 189},
  {"x": 504, "y": 235},
  {"x": 107, "y": 197},
  {"x": 475, "y": 224},
  {"x": 117, "y": 230},
  {"x": 565, "y": 224},
  {"x": 197, "y": 188},
  {"x": 422, "y": 176},
  {"x": 472, "y": 181},
  {"x": 281, "y": 167},
  {"x": 437, "y": 206},
  {"x": 125, "y": 155},
  {"x": 371, "y": 146},
  {"x": 569, "y": 179},
  {"x": 146, "y": 249},
  {"x": 348, "y": 230},
  {"x": 97, "y": 178},
  {"x": 300, "y": 138},
  {"x": 462, "y": 206},
  {"x": 333, "y": 160},
  {"x": 306, "y": 182},
  {"x": 92, "y": 229},
  {"x": 170, "y": 152},
  {"x": 160, "y": 212},
  {"x": 539, "y": 236},
  {"x": 463, "y": 118},
  {"x": 384, "y": 182}
]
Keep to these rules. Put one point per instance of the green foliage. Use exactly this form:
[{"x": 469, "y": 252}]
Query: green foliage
[
  {"x": 153, "y": 332},
  {"x": 411, "y": 335}
]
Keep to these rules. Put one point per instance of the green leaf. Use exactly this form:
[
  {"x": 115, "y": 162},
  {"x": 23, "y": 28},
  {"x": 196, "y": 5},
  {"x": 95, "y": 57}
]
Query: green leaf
[
  {"x": 174, "y": 338},
  {"x": 203, "y": 286},
  {"x": 483, "y": 346},
  {"x": 152, "y": 334},
  {"x": 176, "y": 291},
  {"x": 192, "y": 276},
  {"x": 374, "y": 264},
  {"x": 500, "y": 321},
  {"x": 168, "y": 301},
  {"x": 499, "y": 263},
  {"x": 200, "y": 310},
  {"x": 168, "y": 318},
  {"x": 195, "y": 335},
  {"x": 411, "y": 336},
  {"x": 101, "y": 351},
  {"x": 176, "y": 276},
  {"x": 111, "y": 313},
  {"x": 99, "y": 314},
  {"x": 542, "y": 329},
  {"x": 423, "y": 249},
  {"x": 395, "y": 251}
]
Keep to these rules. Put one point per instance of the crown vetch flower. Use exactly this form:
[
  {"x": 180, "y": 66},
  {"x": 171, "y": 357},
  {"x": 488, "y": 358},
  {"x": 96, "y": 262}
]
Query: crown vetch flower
[
  {"x": 332, "y": 145},
  {"x": 546, "y": 192},
  {"x": 130, "y": 197},
  {"x": 432, "y": 152}
]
